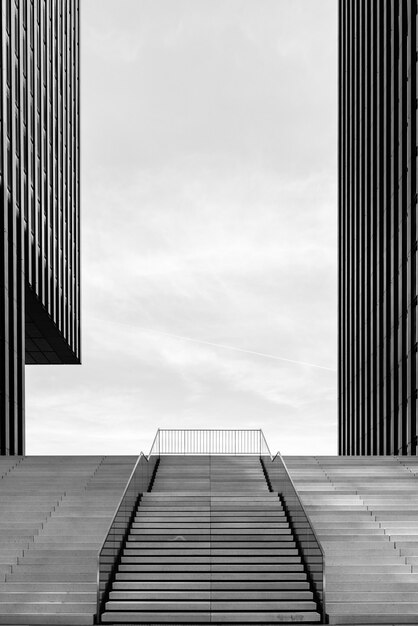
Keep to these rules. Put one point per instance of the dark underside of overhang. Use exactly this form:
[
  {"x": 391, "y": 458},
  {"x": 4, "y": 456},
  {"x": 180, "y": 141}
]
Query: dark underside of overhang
[{"x": 44, "y": 342}]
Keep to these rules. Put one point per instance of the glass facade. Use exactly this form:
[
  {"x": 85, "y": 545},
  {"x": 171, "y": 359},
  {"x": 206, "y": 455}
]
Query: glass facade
[
  {"x": 378, "y": 108},
  {"x": 39, "y": 178}
]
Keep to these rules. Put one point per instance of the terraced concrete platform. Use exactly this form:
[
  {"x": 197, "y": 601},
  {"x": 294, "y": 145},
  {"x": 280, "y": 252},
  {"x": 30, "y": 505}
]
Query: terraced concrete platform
[
  {"x": 365, "y": 511},
  {"x": 54, "y": 512}
]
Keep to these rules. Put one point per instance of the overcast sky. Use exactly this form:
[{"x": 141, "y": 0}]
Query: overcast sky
[{"x": 209, "y": 228}]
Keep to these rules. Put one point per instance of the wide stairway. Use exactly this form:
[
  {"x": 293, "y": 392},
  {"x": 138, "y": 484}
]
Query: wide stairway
[{"x": 210, "y": 543}]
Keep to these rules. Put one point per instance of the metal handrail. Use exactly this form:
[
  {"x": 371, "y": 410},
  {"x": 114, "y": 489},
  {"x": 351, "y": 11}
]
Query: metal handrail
[
  {"x": 115, "y": 515},
  {"x": 312, "y": 528},
  {"x": 302, "y": 506},
  {"x": 122, "y": 497},
  {"x": 117, "y": 509}
]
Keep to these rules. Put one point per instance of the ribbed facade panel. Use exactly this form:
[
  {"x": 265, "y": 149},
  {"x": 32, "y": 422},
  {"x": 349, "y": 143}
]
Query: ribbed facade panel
[
  {"x": 39, "y": 169},
  {"x": 377, "y": 227}
]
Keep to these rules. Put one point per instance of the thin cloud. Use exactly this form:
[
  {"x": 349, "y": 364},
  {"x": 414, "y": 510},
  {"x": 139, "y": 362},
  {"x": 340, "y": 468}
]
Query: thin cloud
[{"x": 265, "y": 355}]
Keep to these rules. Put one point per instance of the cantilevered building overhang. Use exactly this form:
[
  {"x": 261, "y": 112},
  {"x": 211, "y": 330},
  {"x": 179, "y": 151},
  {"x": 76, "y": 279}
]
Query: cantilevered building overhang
[{"x": 39, "y": 178}]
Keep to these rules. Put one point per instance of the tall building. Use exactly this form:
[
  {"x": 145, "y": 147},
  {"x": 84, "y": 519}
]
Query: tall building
[
  {"x": 377, "y": 227},
  {"x": 39, "y": 179}
]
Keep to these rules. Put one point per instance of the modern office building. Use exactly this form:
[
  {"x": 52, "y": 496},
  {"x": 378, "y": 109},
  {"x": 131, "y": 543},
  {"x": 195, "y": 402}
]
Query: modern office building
[
  {"x": 377, "y": 227},
  {"x": 39, "y": 178}
]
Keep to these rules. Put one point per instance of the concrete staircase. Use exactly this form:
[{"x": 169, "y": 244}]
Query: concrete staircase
[
  {"x": 365, "y": 511},
  {"x": 210, "y": 543},
  {"x": 54, "y": 514}
]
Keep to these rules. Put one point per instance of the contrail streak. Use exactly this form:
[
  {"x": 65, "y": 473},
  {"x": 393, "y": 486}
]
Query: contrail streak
[
  {"x": 225, "y": 347},
  {"x": 235, "y": 349}
]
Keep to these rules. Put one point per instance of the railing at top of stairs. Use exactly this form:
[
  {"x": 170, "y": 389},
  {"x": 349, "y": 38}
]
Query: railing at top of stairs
[{"x": 210, "y": 441}]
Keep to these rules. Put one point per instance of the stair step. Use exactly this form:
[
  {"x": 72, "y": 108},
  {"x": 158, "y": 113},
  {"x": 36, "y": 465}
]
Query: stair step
[
  {"x": 176, "y": 585},
  {"x": 46, "y": 619},
  {"x": 10, "y": 608},
  {"x": 207, "y": 556},
  {"x": 31, "y": 587},
  {"x": 52, "y": 577},
  {"x": 205, "y": 617},
  {"x": 82, "y": 597},
  {"x": 202, "y": 605},
  {"x": 374, "y": 608},
  {"x": 211, "y": 567},
  {"x": 194, "y": 575},
  {"x": 139, "y": 539},
  {"x": 214, "y": 545},
  {"x": 372, "y": 596},
  {"x": 131, "y": 556},
  {"x": 225, "y": 595}
]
